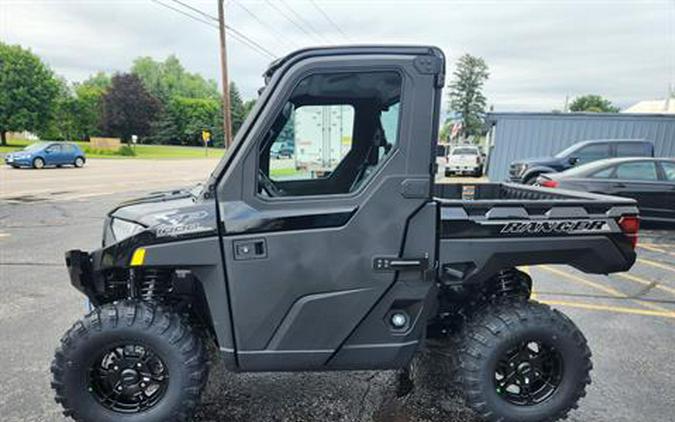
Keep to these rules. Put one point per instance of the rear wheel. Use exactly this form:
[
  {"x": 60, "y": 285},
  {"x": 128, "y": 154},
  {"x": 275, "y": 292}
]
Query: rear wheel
[
  {"x": 38, "y": 163},
  {"x": 79, "y": 162},
  {"x": 522, "y": 361},
  {"x": 130, "y": 361}
]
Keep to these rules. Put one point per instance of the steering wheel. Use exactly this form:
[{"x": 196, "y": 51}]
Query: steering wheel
[{"x": 268, "y": 185}]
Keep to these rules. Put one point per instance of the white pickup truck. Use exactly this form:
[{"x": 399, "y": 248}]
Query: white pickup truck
[{"x": 464, "y": 160}]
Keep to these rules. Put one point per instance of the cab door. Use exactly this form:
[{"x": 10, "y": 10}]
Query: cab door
[
  {"x": 639, "y": 180},
  {"x": 311, "y": 242}
]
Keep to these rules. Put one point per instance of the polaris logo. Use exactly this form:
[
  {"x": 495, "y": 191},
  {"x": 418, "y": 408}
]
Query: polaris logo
[{"x": 557, "y": 226}]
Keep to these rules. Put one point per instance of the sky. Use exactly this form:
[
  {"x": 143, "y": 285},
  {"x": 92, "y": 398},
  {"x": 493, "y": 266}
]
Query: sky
[{"x": 539, "y": 52}]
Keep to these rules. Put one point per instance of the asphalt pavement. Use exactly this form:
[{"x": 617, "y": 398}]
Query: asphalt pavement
[{"x": 629, "y": 320}]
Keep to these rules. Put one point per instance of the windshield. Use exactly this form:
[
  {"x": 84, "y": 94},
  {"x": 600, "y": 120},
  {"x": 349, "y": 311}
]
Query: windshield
[
  {"x": 35, "y": 147},
  {"x": 465, "y": 151},
  {"x": 567, "y": 151}
]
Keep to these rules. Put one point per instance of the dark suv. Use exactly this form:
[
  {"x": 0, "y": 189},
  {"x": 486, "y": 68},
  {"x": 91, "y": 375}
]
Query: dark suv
[{"x": 527, "y": 170}]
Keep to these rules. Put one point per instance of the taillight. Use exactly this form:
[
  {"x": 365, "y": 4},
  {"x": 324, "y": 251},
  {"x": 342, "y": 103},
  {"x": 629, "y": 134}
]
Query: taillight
[
  {"x": 548, "y": 183},
  {"x": 630, "y": 227},
  {"x": 477, "y": 160}
]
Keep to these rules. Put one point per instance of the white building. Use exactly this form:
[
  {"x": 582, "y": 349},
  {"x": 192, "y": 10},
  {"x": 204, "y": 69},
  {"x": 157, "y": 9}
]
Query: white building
[{"x": 662, "y": 106}]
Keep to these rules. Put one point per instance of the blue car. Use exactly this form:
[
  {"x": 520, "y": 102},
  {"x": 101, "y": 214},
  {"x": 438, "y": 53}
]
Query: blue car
[{"x": 43, "y": 154}]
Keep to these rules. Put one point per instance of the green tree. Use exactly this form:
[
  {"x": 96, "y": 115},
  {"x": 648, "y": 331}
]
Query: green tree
[
  {"x": 62, "y": 123},
  {"x": 28, "y": 90},
  {"x": 466, "y": 98},
  {"x": 89, "y": 95},
  {"x": 128, "y": 108},
  {"x": 169, "y": 79},
  {"x": 593, "y": 104},
  {"x": 237, "y": 109},
  {"x": 184, "y": 119}
]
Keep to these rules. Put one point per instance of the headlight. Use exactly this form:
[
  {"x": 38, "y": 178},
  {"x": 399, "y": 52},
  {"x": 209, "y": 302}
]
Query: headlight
[
  {"x": 521, "y": 168},
  {"x": 122, "y": 229}
]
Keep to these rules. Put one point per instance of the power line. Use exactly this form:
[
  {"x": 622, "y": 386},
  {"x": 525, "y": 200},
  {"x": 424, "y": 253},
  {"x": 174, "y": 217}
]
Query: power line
[
  {"x": 175, "y": 9},
  {"x": 288, "y": 18},
  {"x": 303, "y": 21},
  {"x": 265, "y": 24},
  {"x": 194, "y": 9},
  {"x": 329, "y": 19},
  {"x": 242, "y": 38},
  {"x": 247, "y": 38}
]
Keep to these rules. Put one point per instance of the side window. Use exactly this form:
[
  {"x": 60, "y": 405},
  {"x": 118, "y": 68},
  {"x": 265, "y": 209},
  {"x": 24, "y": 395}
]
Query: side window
[
  {"x": 389, "y": 122},
  {"x": 641, "y": 170},
  {"x": 591, "y": 153},
  {"x": 669, "y": 170},
  {"x": 314, "y": 141},
  {"x": 335, "y": 131},
  {"x": 53, "y": 148},
  {"x": 603, "y": 174},
  {"x": 632, "y": 149}
]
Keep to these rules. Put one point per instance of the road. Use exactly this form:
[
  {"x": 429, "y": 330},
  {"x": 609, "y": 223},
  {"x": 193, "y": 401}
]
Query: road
[
  {"x": 629, "y": 319},
  {"x": 100, "y": 176}
]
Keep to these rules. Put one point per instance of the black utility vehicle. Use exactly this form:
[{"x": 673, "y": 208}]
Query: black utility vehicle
[
  {"x": 526, "y": 171},
  {"x": 354, "y": 267}
]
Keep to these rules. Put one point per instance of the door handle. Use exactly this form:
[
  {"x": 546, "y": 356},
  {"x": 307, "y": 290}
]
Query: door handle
[
  {"x": 618, "y": 185},
  {"x": 249, "y": 249},
  {"x": 400, "y": 264}
]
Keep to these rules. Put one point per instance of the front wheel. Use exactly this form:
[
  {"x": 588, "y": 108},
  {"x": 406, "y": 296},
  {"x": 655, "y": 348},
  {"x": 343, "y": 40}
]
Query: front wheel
[
  {"x": 38, "y": 163},
  {"x": 79, "y": 162},
  {"x": 522, "y": 361},
  {"x": 130, "y": 361}
]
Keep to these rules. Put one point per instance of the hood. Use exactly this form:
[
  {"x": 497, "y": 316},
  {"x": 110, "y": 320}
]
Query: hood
[
  {"x": 154, "y": 208},
  {"x": 539, "y": 161}
]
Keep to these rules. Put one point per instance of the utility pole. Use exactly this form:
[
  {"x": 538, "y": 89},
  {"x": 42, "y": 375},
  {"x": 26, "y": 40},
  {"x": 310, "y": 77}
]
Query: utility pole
[{"x": 227, "y": 126}]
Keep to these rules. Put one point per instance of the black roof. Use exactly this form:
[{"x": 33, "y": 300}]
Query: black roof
[{"x": 352, "y": 49}]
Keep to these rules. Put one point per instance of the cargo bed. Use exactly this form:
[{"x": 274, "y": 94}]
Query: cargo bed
[{"x": 487, "y": 226}]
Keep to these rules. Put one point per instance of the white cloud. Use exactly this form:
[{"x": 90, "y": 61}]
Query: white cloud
[{"x": 538, "y": 51}]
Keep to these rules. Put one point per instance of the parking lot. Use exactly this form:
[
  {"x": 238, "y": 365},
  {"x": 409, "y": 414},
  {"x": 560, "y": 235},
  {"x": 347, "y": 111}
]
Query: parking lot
[{"x": 629, "y": 319}]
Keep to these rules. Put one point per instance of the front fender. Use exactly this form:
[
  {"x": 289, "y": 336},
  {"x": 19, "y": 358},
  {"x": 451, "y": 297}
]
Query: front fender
[{"x": 202, "y": 257}]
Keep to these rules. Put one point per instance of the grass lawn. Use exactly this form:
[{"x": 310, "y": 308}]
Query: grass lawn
[
  {"x": 142, "y": 151},
  {"x": 284, "y": 172}
]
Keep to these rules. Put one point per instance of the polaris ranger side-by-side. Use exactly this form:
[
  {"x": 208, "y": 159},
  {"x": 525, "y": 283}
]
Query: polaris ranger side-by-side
[{"x": 354, "y": 267}]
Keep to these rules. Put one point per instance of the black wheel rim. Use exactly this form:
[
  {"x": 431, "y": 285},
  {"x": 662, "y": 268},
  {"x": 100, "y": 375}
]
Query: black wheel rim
[
  {"x": 128, "y": 378},
  {"x": 529, "y": 373}
]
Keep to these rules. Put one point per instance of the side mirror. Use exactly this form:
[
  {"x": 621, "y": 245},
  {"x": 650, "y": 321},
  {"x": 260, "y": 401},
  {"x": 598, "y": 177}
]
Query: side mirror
[{"x": 574, "y": 160}]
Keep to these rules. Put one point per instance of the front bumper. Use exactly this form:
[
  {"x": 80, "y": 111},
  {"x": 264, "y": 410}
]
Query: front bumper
[
  {"x": 462, "y": 169},
  {"x": 79, "y": 264},
  {"x": 14, "y": 161}
]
